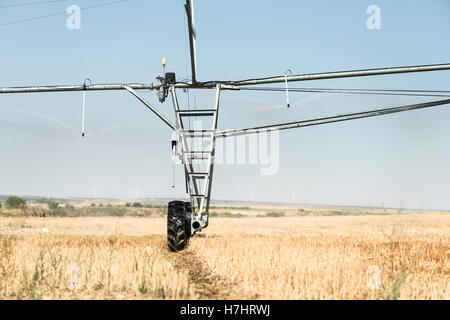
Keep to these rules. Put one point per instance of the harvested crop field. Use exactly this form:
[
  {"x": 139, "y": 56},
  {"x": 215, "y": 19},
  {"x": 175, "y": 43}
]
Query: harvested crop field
[{"x": 325, "y": 257}]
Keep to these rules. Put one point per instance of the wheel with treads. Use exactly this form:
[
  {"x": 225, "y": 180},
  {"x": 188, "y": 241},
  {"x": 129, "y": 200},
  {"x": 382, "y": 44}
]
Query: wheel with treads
[{"x": 177, "y": 218}]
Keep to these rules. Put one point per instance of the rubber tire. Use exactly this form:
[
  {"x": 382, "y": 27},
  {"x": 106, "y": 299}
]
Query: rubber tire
[{"x": 177, "y": 237}]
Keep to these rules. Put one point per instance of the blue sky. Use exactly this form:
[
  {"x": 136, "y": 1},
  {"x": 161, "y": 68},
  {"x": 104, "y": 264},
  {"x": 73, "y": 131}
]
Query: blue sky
[{"x": 398, "y": 160}]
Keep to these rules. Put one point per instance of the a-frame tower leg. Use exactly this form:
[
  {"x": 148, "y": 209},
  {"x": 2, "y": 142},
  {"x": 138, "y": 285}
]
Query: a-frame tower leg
[{"x": 198, "y": 162}]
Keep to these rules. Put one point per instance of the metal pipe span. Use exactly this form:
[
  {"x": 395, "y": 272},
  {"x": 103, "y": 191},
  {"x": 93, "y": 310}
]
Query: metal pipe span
[
  {"x": 106, "y": 87},
  {"x": 330, "y": 119},
  {"x": 93, "y": 87},
  {"x": 343, "y": 74},
  {"x": 232, "y": 85}
]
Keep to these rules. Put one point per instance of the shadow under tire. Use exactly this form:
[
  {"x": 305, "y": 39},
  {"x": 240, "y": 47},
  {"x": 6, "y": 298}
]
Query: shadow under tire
[{"x": 177, "y": 220}]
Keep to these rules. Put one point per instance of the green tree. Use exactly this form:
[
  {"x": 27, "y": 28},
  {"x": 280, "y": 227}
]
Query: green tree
[
  {"x": 52, "y": 205},
  {"x": 14, "y": 202},
  {"x": 137, "y": 205}
]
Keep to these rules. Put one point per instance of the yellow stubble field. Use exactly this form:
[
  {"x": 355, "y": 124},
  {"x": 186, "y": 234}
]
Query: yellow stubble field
[{"x": 403, "y": 256}]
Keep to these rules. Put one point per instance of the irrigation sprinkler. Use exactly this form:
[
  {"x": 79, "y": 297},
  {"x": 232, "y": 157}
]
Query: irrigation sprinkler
[
  {"x": 83, "y": 111},
  {"x": 286, "y": 86},
  {"x": 186, "y": 218}
]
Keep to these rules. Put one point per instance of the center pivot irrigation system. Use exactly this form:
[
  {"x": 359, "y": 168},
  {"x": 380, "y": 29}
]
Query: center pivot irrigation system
[{"x": 184, "y": 219}]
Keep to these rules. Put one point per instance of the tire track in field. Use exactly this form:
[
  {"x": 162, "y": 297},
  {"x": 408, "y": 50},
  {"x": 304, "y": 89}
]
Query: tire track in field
[{"x": 206, "y": 283}]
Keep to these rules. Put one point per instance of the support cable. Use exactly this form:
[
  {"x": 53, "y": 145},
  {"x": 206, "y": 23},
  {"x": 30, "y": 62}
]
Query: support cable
[{"x": 411, "y": 93}]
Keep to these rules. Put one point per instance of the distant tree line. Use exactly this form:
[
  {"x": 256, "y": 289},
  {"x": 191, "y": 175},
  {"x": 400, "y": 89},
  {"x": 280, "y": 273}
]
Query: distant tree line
[{"x": 14, "y": 202}]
